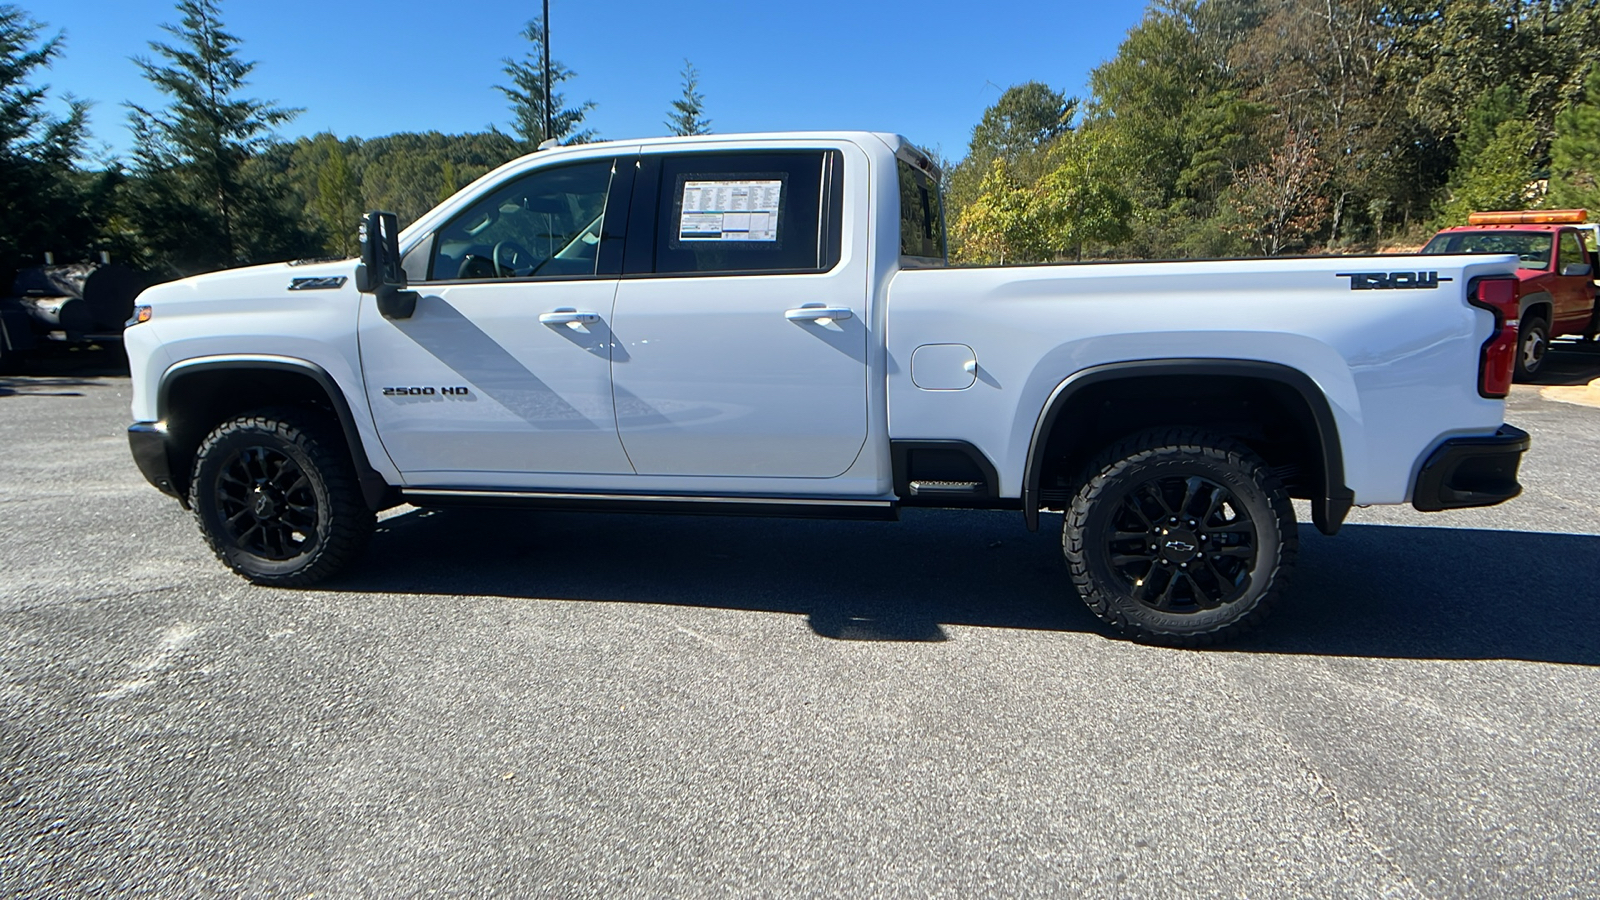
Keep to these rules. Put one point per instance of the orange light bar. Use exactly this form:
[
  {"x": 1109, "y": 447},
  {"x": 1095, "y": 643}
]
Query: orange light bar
[{"x": 1531, "y": 217}]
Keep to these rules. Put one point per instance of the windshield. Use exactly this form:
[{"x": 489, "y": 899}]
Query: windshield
[{"x": 1531, "y": 247}]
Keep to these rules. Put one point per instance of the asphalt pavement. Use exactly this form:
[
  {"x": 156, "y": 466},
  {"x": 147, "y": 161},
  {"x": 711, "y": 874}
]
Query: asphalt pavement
[{"x": 577, "y": 705}]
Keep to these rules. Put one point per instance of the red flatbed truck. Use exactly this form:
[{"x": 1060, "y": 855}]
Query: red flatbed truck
[{"x": 1556, "y": 280}]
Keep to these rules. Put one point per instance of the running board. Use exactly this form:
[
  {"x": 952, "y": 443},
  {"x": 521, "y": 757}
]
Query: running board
[
  {"x": 674, "y": 504},
  {"x": 948, "y": 488}
]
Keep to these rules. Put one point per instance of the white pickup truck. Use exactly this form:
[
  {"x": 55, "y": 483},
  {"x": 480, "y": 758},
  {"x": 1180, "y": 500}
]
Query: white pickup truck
[{"x": 765, "y": 325}]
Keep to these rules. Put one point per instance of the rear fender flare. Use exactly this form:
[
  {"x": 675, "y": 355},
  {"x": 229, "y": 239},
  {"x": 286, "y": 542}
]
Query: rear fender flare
[{"x": 1328, "y": 510}]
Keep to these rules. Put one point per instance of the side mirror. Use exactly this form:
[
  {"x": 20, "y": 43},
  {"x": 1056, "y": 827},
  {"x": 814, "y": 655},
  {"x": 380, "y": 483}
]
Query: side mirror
[
  {"x": 379, "y": 273},
  {"x": 1576, "y": 269}
]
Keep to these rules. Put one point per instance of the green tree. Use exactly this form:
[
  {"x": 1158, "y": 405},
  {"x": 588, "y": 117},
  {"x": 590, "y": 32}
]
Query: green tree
[
  {"x": 1174, "y": 106},
  {"x": 1080, "y": 200},
  {"x": 192, "y": 154},
  {"x": 1483, "y": 122},
  {"x": 326, "y": 182},
  {"x": 1077, "y": 202},
  {"x": 688, "y": 115},
  {"x": 1575, "y": 152},
  {"x": 1026, "y": 118},
  {"x": 1448, "y": 53},
  {"x": 1149, "y": 92},
  {"x": 527, "y": 96},
  {"x": 1016, "y": 130},
  {"x": 995, "y": 226},
  {"x": 1502, "y": 175},
  {"x": 338, "y": 197},
  {"x": 405, "y": 173},
  {"x": 42, "y": 196}
]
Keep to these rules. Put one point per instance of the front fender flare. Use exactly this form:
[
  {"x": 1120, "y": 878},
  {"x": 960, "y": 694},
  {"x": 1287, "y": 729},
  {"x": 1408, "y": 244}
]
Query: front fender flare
[{"x": 375, "y": 490}]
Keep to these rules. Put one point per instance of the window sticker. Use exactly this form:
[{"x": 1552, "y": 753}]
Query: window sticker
[{"x": 730, "y": 210}]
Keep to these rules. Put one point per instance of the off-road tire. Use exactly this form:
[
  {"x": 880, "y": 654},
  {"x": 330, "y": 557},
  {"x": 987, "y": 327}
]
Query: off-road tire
[
  {"x": 1532, "y": 331},
  {"x": 287, "y": 473},
  {"x": 1228, "y": 593}
]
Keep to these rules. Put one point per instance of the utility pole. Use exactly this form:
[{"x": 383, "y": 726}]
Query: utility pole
[{"x": 549, "y": 122}]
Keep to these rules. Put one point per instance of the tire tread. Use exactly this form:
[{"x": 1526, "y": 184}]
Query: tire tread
[
  {"x": 351, "y": 522},
  {"x": 1153, "y": 444}
]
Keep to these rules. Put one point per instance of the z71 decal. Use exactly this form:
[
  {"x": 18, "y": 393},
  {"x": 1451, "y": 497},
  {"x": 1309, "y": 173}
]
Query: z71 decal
[
  {"x": 1393, "y": 281},
  {"x": 321, "y": 283}
]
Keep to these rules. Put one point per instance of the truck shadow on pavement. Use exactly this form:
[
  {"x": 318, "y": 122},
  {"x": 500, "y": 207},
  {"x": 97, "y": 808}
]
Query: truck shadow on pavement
[{"x": 1372, "y": 591}]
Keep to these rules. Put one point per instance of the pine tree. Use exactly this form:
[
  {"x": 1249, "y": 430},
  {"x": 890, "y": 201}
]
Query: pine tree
[
  {"x": 526, "y": 94},
  {"x": 338, "y": 200},
  {"x": 688, "y": 112},
  {"x": 193, "y": 152},
  {"x": 1575, "y": 154},
  {"x": 40, "y": 206}
]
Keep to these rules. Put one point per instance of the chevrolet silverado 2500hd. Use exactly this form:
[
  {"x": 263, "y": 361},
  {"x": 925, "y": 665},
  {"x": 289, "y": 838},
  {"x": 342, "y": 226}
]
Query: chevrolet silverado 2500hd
[{"x": 764, "y": 325}]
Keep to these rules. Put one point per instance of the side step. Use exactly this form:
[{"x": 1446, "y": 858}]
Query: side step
[
  {"x": 948, "y": 488},
  {"x": 672, "y": 504}
]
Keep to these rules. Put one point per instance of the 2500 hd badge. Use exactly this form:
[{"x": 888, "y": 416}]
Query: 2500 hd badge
[{"x": 425, "y": 391}]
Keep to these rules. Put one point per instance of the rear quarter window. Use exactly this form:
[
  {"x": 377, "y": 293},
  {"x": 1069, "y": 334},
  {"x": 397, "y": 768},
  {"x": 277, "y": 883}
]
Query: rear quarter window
[{"x": 921, "y": 215}]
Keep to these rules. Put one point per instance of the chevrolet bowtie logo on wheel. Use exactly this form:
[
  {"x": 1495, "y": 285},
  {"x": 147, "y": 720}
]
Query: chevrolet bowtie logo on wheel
[
  {"x": 1393, "y": 281},
  {"x": 1180, "y": 546}
]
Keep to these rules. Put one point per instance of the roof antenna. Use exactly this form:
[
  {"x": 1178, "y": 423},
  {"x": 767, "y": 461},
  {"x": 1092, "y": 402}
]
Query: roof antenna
[{"x": 549, "y": 125}]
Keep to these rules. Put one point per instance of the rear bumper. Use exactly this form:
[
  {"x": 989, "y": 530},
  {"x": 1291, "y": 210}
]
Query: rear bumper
[
  {"x": 1471, "y": 471},
  {"x": 148, "y": 441}
]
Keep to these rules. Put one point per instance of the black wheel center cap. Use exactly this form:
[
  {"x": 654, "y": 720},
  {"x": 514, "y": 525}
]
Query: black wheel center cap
[
  {"x": 263, "y": 506},
  {"x": 1177, "y": 545}
]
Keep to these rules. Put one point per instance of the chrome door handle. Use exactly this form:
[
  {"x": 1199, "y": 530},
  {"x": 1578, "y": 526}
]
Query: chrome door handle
[
  {"x": 567, "y": 316},
  {"x": 813, "y": 313}
]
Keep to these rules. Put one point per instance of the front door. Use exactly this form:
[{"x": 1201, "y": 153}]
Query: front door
[
  {"x": 503, "y": 375},
  {"x": 1573, "y": 294}
]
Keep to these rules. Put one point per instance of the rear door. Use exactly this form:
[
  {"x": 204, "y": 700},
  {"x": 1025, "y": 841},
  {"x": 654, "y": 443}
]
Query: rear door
[{"x": 741, "y": 326}]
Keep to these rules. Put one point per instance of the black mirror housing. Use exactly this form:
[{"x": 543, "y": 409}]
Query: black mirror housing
[{"x": 380, "y": 272}]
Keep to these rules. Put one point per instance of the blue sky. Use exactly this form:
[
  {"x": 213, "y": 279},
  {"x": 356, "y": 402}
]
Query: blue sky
[{"x": 926, "y": 70}]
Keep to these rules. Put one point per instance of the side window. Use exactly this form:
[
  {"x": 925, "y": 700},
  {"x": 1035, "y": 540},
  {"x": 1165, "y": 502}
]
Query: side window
[
  {"x": 745, "y": 212},
  {"x": 545, "y": 224},
  {"x": 1571, "y": 251},
  {"x": 921, "y": 214}
]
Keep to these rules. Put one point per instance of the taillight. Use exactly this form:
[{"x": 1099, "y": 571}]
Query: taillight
[{"x": 1498, "y": 360}]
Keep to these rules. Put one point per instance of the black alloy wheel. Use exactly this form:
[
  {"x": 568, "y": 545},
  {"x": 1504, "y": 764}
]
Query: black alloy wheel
[
  {"x": 1181, "y": 544},
  {"x": 266, "y": 504},
  {"x": 1180, "y": 537}
]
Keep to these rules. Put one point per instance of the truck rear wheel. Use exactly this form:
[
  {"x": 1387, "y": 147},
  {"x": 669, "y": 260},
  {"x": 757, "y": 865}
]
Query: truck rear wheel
[
  {"x": 276, "y": 497},
  {"x": 1180, "y": 537}
]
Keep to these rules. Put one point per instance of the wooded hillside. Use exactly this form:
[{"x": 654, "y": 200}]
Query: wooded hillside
[{"x": 1219, "y": 128}]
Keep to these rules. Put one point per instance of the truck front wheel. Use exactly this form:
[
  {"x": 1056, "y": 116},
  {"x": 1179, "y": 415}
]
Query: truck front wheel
[
  {"x": 1180, "y": 537},
  {"x": 277, "y": 500}
]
